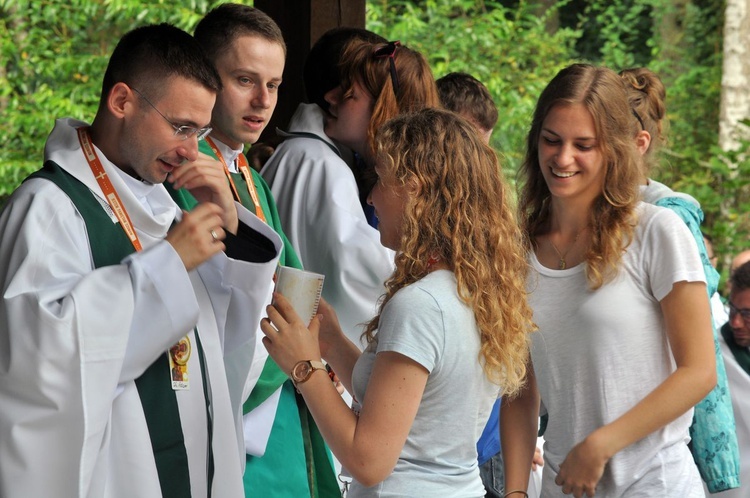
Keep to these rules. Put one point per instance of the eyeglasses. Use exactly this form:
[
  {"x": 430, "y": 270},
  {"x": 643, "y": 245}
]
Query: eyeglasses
[
  {"x": 183, "y": 132},
  {"x": 389, "y": 50},
  {"x": 744, "y": 313}
]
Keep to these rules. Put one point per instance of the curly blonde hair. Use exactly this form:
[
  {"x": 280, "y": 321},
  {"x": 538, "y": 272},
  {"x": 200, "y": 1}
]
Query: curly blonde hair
[
  {"x": 602, "y": 93},
  {"x": 461, "y": 214}
]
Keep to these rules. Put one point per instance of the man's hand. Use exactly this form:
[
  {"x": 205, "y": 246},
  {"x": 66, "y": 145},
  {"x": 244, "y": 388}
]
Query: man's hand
[
  {"x": 199, "y": 235},
  {"x": 206, "y": 180}
]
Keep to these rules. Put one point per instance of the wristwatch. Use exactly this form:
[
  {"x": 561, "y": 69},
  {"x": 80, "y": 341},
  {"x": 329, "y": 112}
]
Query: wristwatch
[{"x": 302, "y": 371}]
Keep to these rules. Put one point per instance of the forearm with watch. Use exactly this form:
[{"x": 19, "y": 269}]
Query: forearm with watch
[
  {"x": 303, "y": 370},
  {"x": 335, "y": 420}
]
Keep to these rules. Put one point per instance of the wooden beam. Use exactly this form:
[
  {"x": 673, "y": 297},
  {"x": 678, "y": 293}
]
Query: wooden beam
[{"x": 303, "y": 22}]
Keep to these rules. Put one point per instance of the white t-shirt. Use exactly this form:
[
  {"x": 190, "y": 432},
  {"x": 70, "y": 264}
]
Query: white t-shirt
[
  {"x": 428, "y": 323},
  {"x": 598, "y": 353}
]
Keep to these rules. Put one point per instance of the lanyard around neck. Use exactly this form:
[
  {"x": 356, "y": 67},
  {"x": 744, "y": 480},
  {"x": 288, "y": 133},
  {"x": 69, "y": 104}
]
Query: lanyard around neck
[
  {"x": 110, "y": 194},
  {"x": 244, "y": 168}
]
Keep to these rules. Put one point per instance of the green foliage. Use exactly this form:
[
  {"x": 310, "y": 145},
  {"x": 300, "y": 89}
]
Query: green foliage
[
  {"x": 718, "y": 179},
  {"x": 54, "y": 54},
  {"x": 508, "y": 49},
  {"x": 693, "y": 162},
  {"x": 615, "y": 33},
  {"x": 693, "y": 75}
]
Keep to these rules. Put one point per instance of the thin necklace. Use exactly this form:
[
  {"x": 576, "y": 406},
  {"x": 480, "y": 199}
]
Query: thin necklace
[{"x": 561, "y": 265}]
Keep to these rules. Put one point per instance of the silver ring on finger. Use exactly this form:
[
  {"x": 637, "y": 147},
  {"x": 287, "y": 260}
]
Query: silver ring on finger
[{"x": 214, "y": 235}]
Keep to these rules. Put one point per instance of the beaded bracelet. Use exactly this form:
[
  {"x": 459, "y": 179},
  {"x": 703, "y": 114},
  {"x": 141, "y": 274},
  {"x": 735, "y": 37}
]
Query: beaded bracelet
[{"x": 525, "y": 494}]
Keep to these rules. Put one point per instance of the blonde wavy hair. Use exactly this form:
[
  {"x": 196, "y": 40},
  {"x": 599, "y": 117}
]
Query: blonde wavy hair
[
  {"x": 602, "y": 93},
  {"x": 461, "y": 214}
]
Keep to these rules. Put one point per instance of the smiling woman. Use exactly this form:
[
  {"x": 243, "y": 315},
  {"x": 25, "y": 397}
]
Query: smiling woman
[
  {"x": 571, "y": 164},
  {"x": 624, "y": 346}
]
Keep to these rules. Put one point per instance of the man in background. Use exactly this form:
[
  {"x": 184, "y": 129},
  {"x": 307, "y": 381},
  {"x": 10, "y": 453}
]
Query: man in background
[
  {"x": 735, "y": 345},
  {"x": 286, "y": 456}
]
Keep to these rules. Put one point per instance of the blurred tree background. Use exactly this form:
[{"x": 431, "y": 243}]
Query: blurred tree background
[{"x": 53, "y": 54}]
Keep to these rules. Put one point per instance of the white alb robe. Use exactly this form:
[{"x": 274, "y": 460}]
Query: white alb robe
[
  {"x": 74, "y": 338},
  {"x": 318, "y": 202},
  {"x": 739, "y": 389}
]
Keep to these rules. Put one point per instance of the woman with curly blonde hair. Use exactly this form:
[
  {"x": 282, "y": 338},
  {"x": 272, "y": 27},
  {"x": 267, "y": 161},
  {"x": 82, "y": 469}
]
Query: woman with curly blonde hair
[
  {"x": 451, "y": 333},
  {"x": 624, "y": 345}
]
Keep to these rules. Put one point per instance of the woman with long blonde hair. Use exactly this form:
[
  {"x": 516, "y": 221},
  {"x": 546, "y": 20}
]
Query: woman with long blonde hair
[
  {"x": 451, "y": 333},
  {"x": 624, "y": 345}
]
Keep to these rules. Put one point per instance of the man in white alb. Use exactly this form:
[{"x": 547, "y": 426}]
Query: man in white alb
[
  {"x": 123, "y": 320},
  {"x": 734, "y": 340}
]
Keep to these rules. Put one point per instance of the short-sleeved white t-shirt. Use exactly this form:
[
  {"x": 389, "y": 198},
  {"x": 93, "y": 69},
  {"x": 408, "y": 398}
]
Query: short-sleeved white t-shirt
[
  {"x": 598, "y": 353},
  {"x": 428, "y": 323}
]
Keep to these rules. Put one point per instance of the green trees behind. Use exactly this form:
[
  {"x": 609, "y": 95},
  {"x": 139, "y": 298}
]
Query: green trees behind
[
  {"x": 515, "y": 47},
  {"x": 53, "y": 54},
  {"x": 52, "y": 58}
]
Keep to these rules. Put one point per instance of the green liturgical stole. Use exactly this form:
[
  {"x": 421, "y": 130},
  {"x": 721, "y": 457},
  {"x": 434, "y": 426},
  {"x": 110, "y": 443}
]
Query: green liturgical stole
[{"x": 110, "y": 246}]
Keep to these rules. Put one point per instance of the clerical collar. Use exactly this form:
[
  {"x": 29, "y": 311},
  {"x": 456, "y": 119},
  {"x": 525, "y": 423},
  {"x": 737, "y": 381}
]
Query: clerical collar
[{"x": 229, "y": 154}]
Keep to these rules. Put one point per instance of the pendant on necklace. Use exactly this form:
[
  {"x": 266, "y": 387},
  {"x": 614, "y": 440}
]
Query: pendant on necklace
[{"x": 561, "y": 264}]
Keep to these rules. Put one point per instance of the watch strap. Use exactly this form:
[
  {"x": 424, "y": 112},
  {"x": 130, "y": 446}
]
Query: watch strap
[{"x": 314, "y": 365}]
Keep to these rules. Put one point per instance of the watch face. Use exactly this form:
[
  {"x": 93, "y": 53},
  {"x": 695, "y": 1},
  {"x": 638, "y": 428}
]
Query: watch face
[{"x": 301, "y": 371}]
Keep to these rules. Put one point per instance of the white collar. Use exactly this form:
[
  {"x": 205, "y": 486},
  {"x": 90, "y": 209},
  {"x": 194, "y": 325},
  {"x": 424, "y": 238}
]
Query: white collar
[
  {"x": 229, "y": 154},
  {"x": 149, "y": 206}
]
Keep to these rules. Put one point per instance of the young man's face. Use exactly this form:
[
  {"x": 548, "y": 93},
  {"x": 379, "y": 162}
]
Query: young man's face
[
  {"x": 251, "y": 70},
  {"x": 148, "y": 147}
]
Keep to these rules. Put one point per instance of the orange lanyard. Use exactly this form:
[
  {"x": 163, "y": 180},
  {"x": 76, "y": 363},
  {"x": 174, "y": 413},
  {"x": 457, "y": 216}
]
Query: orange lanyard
[
  {"x": 110, "y": 194},
  {"x": 180, "y": 352},
  {"x": 244, "y": 168}
]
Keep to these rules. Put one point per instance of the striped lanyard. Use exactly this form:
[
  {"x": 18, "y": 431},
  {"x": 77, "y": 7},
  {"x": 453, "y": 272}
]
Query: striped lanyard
[
  {"x": 110, "y": 194},
  {"x": 244, "y": 168}
]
